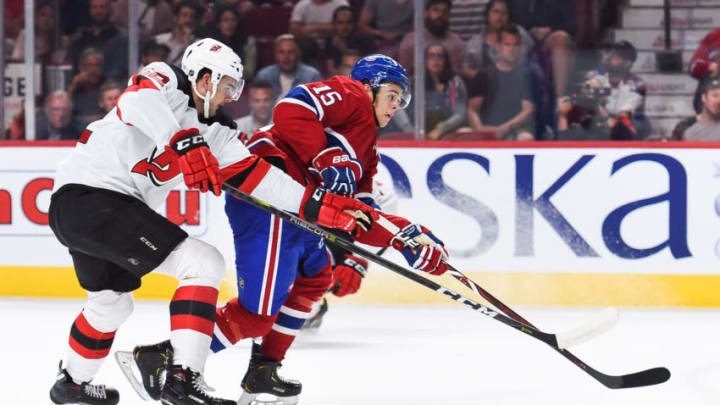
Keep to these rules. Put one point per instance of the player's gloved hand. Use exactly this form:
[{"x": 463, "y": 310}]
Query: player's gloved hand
[
  {"x": 339, "y": 171},
  {"x": 348, "y": 275},
  {"x": 335, "y": 211},
  {"x": 198, "y": 165},
  {"x": 421, "y": 249}
]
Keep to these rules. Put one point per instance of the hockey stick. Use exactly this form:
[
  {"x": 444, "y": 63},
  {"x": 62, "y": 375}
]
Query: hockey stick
[
  {"x": 600, "y": 324},
  {"x": 647, "y": 377},
  {"x": 589, "y": 330}
]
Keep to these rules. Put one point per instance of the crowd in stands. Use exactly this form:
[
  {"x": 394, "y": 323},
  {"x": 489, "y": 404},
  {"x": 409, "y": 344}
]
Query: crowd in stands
[{"x": 494, "y": 69}]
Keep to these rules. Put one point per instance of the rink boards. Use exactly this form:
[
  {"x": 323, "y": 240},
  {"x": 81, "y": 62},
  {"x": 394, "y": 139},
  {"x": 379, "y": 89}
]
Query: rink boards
[{"x": 578, "y": 224}]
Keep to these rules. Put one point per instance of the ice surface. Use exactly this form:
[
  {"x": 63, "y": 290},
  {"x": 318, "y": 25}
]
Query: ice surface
[{"x": 404, "y": 355}]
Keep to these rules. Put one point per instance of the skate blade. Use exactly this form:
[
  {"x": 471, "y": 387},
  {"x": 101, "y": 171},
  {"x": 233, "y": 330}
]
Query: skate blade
[
  {"x": 266, "y": 399},
  {"x": 127, "y": 364}
]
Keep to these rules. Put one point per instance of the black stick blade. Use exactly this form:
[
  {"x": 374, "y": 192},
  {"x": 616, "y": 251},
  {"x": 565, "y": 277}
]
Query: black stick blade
[{"x": 652, "y": 376}]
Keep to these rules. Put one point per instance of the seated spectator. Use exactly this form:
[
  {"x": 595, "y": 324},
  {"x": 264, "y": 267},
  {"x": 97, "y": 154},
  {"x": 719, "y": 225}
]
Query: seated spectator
[
  {"x": 584, "y": 116},
  {"x": 388, "y": 21},
  {"x": 704, "y": 64},
  {"x": 552, "y": 23},
  {"x": 467, "y": 17},
  {"x": 437, "y": 14},
  {"x": 313, "y": 18},
  {"x": 49, "y": 48},
  {"x": 706, "y": 125},
  {"x": 500, "y": 95},
  {"x": 228, "y": 28},
  {"x": 348, "y": 61},
  {"x": 185, "y": 17},
  {"x": 445, "y": 96},
  {"x": 155, "y": 17},
  {"x": 311, "y": 24},
  {"x": 287, "y": 72},
  {"x": 481, "y": 50},
  {"x": 109, "y": 93},
  {"x": 85, "y": 86},
  {"x": 101, "y": 35},
  {"x": 153, "y": 52},
  {"x": 627, "y": 90},
  {"x": 261, "y": 100},
  {"x": 56, "y": 122},
  {"x": 345, "y": 37}
]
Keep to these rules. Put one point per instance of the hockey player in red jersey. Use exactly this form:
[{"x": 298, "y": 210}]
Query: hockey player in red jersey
[
  {"x": 324, "y": 133},
  {"x": 165, "y": 128}
]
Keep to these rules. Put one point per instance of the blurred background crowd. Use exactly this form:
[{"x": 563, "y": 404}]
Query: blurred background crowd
[{"x": 493, "y": 69}]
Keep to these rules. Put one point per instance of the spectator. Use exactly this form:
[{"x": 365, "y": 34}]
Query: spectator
[
  {"x": 481, "y": 50},
  {"x": 467, "y": 17},
  {"x": 344, "y": 37},
  {"x": 500, "y": 95},
  {"x": 437, "y": 14},
  {"x": 311, "y": 24},
  {"x": 586, "y": 118},
  {"x": 348, "y": 61},
  {"x": 108, "y": 95},
  {"x": 49, "y": 48},
  {"x": 229, "y": 29},
  {"x": 314, "y": 18},
  {"x": 627, "y": 91},
  {"x": 287, "y": 72},
  {"x": 155, "y": 17},
  {"x": 445, "y": 96},
  {"x": 185, "y": 16},
  {"x": 56, "y": 121},
  {"x": 153, "y": 52},
  {"x": 387, "y": 21},
  {"x": 706, "y": 125},
  {"x": 704, "y": 64},
  {"x": 261, "y": 100},
  {"x": 101, "y": 35},
  {"x": 85, "y": 86},
  {"x": 552, "y": 23}
]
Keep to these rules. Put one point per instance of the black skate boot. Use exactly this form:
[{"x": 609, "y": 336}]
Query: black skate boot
[
  {"x": 184, "y": 386},
  {"x": 315, "y": 320},
  {"x": 262, "y": 378},
  {"x": 65, "y": 391},
  {"x": 152, "y": 362}
]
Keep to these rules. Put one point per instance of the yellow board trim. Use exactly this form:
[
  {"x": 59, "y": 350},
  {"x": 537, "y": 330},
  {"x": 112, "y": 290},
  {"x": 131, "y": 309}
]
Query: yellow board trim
[{"x": 383, "y": 287}]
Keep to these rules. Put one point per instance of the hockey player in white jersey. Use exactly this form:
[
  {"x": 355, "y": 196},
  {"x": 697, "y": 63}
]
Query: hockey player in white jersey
[{"x": 165, "y": 128}]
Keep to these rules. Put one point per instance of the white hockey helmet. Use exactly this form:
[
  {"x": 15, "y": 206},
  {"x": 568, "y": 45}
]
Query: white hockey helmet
[{"x": 217, "y": 57}]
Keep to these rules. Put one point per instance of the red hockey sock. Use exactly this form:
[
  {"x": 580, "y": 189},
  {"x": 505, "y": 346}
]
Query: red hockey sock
[{"x": 89, "y": 342}]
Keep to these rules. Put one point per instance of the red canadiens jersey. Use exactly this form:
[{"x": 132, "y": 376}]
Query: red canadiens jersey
[{"x": 315, "y": 116}]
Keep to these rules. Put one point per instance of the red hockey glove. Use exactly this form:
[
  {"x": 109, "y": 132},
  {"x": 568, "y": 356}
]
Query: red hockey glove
[
  {"x": 335, "y": 211},
  {"x": 348, "y": 275},
  {"x": 198, "y": 165},
  {"x": 421, "y": 249},
  {"x": 339, "y": 171}
]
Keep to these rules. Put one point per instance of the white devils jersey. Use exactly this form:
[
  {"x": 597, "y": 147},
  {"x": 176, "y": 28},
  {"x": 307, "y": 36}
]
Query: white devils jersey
[{"x": 125, "y": 150}]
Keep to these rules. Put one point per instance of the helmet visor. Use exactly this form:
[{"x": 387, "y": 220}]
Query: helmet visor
[
  {"x": 233, "y": 89},
  {"x": 402, "y": 97}
]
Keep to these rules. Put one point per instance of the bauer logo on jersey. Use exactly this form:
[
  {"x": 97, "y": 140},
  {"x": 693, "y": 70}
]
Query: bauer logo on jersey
[{"x": 159, "y": 169}]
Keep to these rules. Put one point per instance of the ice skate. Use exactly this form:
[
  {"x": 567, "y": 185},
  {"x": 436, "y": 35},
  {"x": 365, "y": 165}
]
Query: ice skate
[
  {"x": 66, "y": 391},
  {"x": 316, "y": 316},
  {"x": 184, "y": 386},
  {"x": 150, "y": 362},
  {"x": 261, "y": 380}
]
